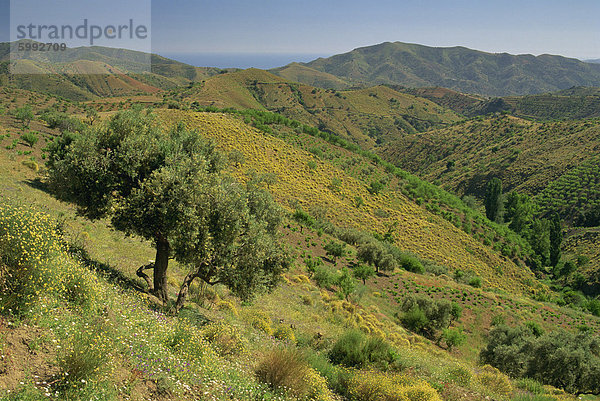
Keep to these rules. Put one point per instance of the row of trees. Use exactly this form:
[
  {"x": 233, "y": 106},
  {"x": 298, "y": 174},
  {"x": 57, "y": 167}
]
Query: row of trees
[
  {"x": 522, "y": 215},
  {"x": 570, "y": 361},
  {"x": 168, "y": 186}
]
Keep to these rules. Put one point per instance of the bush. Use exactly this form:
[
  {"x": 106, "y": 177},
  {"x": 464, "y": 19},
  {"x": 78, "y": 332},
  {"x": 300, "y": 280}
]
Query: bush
[
  {"x": 85, "y": 355},
  {"x": 323, "y": 277},
  {"x": 286, "y": 370},
  {"x": 29, "y": 247},
  {"x": 453, "y": 338},
  {"x": 496, "y": 382},
  {"x": 533, "y": 386},
  {"x": 355, "y": 349},
  {"x": 63, "y": 122},
  {"x": 460, "y": 375},
  {"x": 427, "y": 316},
  {"x": 226, "y": 339},
  {"x": 377, "y": 386},
  {"x": 411, "y": 264},
  {"x": 283, "y": 369},
  {"x": 285, "y": 333},
  {"x": 335, "y": 249},
  {"x": 30, "y": 138},
  {"x": 559, "y": 358},
  {"x": 475, "y": 282}
]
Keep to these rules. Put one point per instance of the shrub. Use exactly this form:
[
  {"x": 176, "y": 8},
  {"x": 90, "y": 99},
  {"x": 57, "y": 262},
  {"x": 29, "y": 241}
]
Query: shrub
[
  {"x": 355, "y": 349},
  {"x": 284, "y": 369},
  {"x": 427, "y": 316},
  {"x": 335, "y": 249},
  {"x": 475, "y": 282},
  {"x": 30, "y": 138},
  {"x": 411, "y": 264},
  {"x": 227, "y": 306},
  {"x": 496, "y": 382},
  {"x": 29, "y": 247},
  {"x": 559, "y": 358},
  {"x": 460, "y": 375},
  {"x": 323, "y": 277},
  {"x": 285, "y": 333},
  {"x": 260, "y": 321},
  {"x": 377, "y": 386},
  {"x": 85, "y": 355},
  {"x": 32, "y": 164},
  {"x": 453, "y": 338},
  {"x": 533, "y": 386},
  {"x": 226, "y": 339},
  {"x": 63, "y": 122}
]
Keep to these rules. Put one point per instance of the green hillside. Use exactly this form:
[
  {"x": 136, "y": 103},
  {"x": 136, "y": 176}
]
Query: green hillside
[
  {"x": 364, "y": 116},
  {"x": 526, "y": 155},
  {"x": 86, "y": 73},
  {"x": 220, "y": 348},
  {"x": 458, "y": 68}
]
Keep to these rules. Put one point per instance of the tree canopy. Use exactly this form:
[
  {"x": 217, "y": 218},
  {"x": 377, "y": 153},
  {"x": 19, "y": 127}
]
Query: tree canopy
[{"x": 167, "y": 186}]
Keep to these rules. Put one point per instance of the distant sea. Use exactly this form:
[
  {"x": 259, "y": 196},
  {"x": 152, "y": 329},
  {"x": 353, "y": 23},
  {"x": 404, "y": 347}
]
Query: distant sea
[{"x": 242, "y": 60}]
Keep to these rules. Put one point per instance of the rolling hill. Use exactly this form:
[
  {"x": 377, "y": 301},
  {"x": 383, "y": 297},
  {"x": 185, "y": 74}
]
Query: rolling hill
[
  {"x": 364, "y": 116},
  {"x": 458, "y": 68},
  {"x": 526, "y": 155},
  {"x": 85, "y": 73}
]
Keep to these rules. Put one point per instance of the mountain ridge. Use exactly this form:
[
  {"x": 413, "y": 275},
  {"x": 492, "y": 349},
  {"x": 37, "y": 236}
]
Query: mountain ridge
[{"x": 458, "y": 68}]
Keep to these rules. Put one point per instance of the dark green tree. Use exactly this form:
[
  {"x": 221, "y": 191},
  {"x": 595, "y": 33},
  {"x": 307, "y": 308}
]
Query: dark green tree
[
  {"x": 556, "y": 237},
  {"x": 25, "y": 115},
  {"x": 519, "y": 210},
  {"x": 167, "y": 187},
  {"x": 346, "y": 283},
  {"x": 335, "y": 249},
  {"x": 493, "y": 199},
  {"x": 363, "y": 272}
]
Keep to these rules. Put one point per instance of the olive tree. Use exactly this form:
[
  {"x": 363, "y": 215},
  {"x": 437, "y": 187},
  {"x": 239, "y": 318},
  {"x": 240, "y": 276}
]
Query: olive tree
[{"x": 166, "y": 186}]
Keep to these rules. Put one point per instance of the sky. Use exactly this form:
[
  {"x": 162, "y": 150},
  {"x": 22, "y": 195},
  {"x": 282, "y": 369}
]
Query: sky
[{"x": 310, "y": 27}]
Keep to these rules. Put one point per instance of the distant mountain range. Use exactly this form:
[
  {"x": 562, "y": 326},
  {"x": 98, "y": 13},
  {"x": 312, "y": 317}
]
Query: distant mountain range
[
  {"x": 457, "y": 68},
  {"x": 85, "y": 73}
]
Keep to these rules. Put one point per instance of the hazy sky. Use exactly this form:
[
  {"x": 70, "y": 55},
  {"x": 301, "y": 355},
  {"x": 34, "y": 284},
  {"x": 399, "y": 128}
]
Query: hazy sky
[{"x": 569, "y": 28}]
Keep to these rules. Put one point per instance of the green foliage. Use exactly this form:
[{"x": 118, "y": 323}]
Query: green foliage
[
  {"x": 167, "y": 187},
  {"x": 303, "y": 218},
  {"x": 25, "y": 115},
  {"x": 363, "y": 272},
  {"x": 475, "y": 282},
  {"x": 375, "y": 187},
  {"x": 562, "y": 359},
  {"x": 324, "y": 277},
  {"x": 519, "y": 211},
  {"x": 427, "y": 316},
  {"x": 356, "y": 349},
  {"x": 312, "y": 264},
  {"x": 556, "y": 237},
  {"x": 453, "y": 337},
  {"x": 346, "y": 283},
  {"x": 493, "y": 200},
  {"x": 63, "y": 122},
  {"x": 335, "y": 249},
  {"x": 30, "y": 138}
]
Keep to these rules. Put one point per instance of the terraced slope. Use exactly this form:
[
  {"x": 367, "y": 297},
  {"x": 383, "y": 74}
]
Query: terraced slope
[
  {"x": 364, "y": 116},
  {"x": 526, "y": 155}
]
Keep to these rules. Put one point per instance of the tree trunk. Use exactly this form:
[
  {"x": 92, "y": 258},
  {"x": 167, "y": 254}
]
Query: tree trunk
[
  {"x": 140, "y": 273},
  {"x": 160, "y": 269},
  {"x": 183, "y": 291}
]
